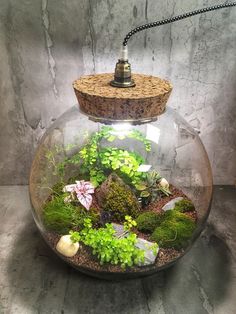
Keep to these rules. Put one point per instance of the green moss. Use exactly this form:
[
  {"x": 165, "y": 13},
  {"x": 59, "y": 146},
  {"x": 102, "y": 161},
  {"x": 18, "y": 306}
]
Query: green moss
[
  {"x": 120, "y": 201},
  {"x": 175, "y": 215},
  {"x": 148, "y": 221},
  {"x": 62, "y": 217},
  {"x": 184, "y": 206},
  {"x": 175, "y": 230}
]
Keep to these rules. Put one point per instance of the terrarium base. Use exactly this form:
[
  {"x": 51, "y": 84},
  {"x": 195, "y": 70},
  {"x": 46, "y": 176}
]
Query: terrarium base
[{"x": 86, "y": 262}]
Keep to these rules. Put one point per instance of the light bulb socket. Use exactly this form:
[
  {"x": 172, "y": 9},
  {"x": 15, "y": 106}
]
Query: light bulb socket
[{"x": 122, "y": 77}]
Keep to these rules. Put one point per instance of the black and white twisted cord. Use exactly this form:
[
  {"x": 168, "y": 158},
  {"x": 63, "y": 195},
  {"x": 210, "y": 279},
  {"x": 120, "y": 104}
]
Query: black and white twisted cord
[{"x": 175, "y": 18}]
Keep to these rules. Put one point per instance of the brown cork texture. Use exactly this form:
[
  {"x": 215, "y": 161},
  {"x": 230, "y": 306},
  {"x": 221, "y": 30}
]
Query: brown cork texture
[{"x": 98, "y": 99}]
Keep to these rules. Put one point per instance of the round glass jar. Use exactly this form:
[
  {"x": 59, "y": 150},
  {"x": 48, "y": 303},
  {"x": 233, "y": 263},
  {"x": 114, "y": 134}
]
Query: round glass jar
[{"x": 124, "y": 183}]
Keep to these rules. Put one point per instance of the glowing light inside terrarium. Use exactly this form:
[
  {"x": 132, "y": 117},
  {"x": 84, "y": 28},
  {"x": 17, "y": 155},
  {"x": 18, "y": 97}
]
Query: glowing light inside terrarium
[
  {"x": 121, "y": 129},
  {"x": 153, "y": 133}
]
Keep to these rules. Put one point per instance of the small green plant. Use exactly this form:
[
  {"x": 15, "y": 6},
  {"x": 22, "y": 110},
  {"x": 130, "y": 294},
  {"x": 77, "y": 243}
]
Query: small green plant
[
  {"x": 164, "y": 191},
  {"x": 108, "y": 248},
  {"x": 148, "y": 221},
  {"x": 135, "y": 134},
  {"x": 124, "y": 162},
  {"x": 150, "y": 190},
  {"x": 74, "y": 236},
  {"x": 175, "y": 230},
  {"x": 109, "y": 159},
  {"x": 97, "y": 176},
  {"x": 96, "y": 162},
  {"x": 129, "y": 223},
  {"x": 57, "y": 160},
  {"x": 61, "y": 217},
  {"x": 184, "y": 206},
  {"x": 120, "y": 202},
  {"x": 110, "y": 134}
]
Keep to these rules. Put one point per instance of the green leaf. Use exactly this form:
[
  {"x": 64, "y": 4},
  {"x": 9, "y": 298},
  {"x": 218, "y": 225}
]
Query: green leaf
[
  {"x": 111, "y": 138},
  {"x": 140, "y": 187},
  {"x": 144, "y": 194}
]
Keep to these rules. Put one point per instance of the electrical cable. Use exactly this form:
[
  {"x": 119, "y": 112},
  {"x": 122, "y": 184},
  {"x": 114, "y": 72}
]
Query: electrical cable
[{"x": 175, "y": 19}]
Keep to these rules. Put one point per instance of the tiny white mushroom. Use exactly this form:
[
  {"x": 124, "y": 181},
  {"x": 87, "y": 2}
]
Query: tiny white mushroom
[
  {"x": 67, "y": 247},
  {"x": 164, "y": 183}
]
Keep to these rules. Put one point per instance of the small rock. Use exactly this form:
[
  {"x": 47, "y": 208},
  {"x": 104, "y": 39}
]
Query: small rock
[
  {"x": 171, "y": 204},
  {"x": 120, "y": 232},
  {"x": 161, "y": 254},
  {"x": 164, "y": 183},
  {"x": 66, "y": 247},
  {"x": 150, "y": 253}
]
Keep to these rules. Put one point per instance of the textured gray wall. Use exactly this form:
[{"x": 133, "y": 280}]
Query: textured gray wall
[{"x": 45, "y": 45}]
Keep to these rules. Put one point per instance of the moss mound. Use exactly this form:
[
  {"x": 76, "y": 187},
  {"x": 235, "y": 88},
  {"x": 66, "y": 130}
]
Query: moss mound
[
  {"x": 184, "y": 206},
  {"x": 62, "y": 217},
  {"x": 120, "y": 201},
  {"x": 148, "y": 221},
  {"x": 175, "y": 230}
]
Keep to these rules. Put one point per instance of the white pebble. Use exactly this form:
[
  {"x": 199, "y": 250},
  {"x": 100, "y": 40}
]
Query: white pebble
[
  {"x": 164, "y": 183},
  {"x": 66, "y": 247}
]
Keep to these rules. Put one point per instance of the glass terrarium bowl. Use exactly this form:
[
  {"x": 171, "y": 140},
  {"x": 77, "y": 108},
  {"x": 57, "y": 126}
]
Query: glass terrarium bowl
[{"x": 134, "y": 196}]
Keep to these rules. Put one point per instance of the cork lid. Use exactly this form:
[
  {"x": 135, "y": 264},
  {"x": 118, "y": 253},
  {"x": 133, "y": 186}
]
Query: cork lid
[{"x": 100, "y": 100}]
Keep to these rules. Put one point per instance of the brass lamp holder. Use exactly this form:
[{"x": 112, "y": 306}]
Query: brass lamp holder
[{"x": 122, "y": 76}]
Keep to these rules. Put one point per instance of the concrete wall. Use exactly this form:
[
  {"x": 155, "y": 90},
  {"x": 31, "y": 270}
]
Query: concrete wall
[{"x": 45, "y": 45}]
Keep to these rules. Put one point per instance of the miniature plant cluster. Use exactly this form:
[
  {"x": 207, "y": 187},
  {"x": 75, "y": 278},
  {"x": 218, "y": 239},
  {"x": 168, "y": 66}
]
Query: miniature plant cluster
[
  {"x": 172, "y": 228},
  {"x": 107, "y": 247},
  {"x": 105, "y": 206}
]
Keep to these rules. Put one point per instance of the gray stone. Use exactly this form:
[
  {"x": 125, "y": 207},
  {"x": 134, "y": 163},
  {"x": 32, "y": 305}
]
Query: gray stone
[
  {"x": 171, "y": 204},
  {"x": 149, "y": 253},
  {"x": 120, "y": 232}
]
